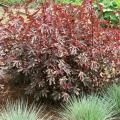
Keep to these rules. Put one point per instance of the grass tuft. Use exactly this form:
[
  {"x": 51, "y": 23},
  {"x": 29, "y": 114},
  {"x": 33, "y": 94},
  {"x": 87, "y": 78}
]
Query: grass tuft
[
  {"x": 112, "y": 95},
  {"x": 87, "y": 108},
  {"x": 21, "y": 110}
]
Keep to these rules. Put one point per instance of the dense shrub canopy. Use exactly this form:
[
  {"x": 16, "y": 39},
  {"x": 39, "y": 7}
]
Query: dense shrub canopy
[{"x": 60, "y": 50}]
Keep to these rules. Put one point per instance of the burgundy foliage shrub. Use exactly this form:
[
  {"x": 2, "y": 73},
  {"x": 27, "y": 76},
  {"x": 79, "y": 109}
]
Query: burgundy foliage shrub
[{"x": 60, "y": 50}]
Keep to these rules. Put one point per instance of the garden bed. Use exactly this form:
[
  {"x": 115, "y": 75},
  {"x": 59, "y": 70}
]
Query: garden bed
[{"x": 61, "y": 54}]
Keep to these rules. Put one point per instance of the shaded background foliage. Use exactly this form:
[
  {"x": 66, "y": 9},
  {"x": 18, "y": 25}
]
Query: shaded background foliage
[{"x": 59, "y": 50}]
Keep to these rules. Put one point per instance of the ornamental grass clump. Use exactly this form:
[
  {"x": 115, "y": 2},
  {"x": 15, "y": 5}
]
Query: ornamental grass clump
[
  {"x": 20, "y": 110},
  {"x": 112, "y": 95},
  {"x": 87, "y": 108}
]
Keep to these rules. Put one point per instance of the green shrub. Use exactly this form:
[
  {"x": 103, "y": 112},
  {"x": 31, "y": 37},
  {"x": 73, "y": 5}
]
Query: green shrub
[
  {"x": 87, "y": 108},
  {"x": 117, "y": 3},
  {"x": 20, "y": 110},
  {"x": 113, "y": 95},
  {"x": 109, "y": 10}
]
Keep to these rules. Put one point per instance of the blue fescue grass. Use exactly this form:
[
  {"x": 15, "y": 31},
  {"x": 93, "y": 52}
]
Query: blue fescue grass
[
  {"x": 21, "y": 110},
  {"x": 112, "y": 95},
  {"x": 87, "y": 108}
]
